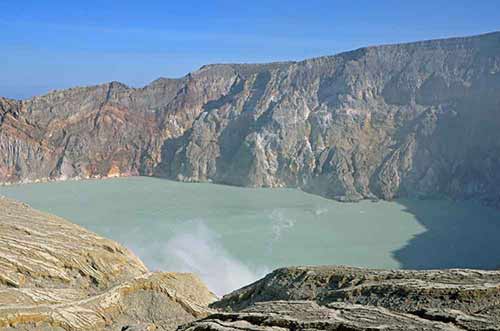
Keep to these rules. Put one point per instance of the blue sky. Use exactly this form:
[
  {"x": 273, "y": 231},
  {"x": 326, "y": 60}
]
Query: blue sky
[{"x": 58, "y": 44}]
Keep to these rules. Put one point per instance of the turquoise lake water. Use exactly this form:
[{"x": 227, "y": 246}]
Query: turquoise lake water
[{"x": 231, "y": 236}]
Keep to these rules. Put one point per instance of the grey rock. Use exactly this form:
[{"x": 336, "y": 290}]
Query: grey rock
[
  {"x": 307, "y": 315},
  {"x": 363, "y": 299},
  {"x": 418, "y": 119}
]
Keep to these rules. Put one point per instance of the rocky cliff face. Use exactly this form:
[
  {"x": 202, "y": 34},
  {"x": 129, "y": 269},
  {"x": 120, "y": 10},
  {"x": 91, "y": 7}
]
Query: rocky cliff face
[
  {"x": 401, "y": 120},
  {"x": 57, "y": 276}
]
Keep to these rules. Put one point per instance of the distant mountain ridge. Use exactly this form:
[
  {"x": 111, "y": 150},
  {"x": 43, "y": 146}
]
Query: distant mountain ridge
[{"x": 415, "y": 119}]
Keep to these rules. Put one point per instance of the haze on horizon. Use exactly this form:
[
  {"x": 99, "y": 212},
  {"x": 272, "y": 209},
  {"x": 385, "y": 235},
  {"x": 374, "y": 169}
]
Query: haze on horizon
[{"x": 58, "y": 44}]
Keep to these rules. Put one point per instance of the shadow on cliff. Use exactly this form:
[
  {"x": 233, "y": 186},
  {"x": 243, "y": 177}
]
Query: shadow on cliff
[{"x": 457, "y": 235}]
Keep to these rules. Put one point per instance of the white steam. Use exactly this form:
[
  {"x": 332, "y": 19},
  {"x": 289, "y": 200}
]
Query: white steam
[{"x": 198, "y": 249}]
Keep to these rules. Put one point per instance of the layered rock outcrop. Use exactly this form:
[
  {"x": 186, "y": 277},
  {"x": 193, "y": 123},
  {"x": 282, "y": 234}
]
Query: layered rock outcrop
[
  {"x": 307, "y": 315},
  {"x": 57, "y": 276},
  {"x": 418, "y": 119},
  {"x": 344, "y": 298}
]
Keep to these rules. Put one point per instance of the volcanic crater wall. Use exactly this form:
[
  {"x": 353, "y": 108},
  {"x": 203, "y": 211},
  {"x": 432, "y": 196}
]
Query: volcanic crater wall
[{"x": 417, "y": 119}]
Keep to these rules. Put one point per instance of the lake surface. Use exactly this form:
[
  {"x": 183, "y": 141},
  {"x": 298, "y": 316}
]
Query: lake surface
[{"x": 231, "y": 236}]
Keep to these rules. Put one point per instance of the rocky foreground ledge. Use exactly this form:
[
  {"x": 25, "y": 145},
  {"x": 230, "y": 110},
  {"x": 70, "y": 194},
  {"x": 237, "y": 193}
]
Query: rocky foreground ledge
[
  {"x": 345, "y": 298},
  {"x": 57, "y": 276}
]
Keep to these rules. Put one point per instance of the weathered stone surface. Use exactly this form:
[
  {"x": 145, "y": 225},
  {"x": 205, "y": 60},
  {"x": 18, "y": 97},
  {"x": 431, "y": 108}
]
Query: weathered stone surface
[
  {"x": 158, "y": 301},
  {"x": 57, "y": 276},
  {"x": 404, "y": 290},
  {"x": 38, "y": 250},
  {"x": 308, "y": 315},
  {"x": 362, "y": 299},
  {"x": 418, "y": 119}
]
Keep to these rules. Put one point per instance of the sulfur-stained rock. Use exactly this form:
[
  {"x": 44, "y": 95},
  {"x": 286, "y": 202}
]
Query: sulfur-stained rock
[
  {"x": 55, "y": 275},
  {"x": 38, "y": 250},
  {"x": 158, "y": 301}
]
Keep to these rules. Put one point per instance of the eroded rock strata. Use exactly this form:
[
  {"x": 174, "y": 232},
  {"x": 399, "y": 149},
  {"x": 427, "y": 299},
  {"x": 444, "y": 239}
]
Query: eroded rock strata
[
  {"x": 307, "y": 315},
  {"x": 417, "y": 119},
  {"x": 57, "y": 276},
  {"x": 344, "y": 298}
]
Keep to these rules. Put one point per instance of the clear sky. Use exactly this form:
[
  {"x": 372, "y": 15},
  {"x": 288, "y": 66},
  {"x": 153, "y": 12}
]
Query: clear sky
[{"x": 58, "y": 44}]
